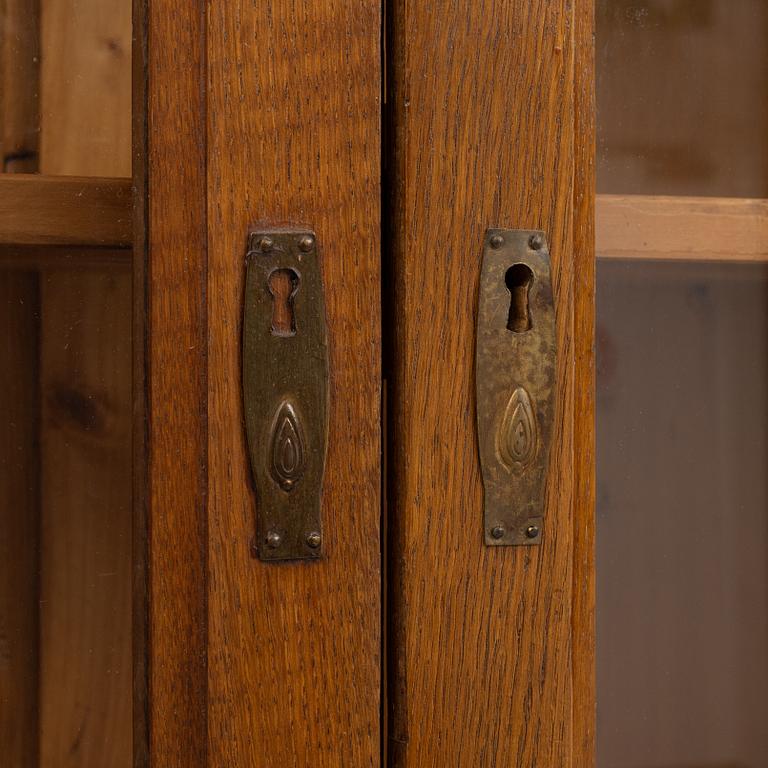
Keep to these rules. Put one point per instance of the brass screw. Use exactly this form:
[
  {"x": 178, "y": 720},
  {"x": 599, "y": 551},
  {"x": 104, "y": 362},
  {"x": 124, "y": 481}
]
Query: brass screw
[
  {"x": 265, "y": 244},
  {"x": 307, "y": 243},
  {"x": 313, "y": 539},
  {"x": 532, "y": 531},
  {"x": 497, "y": 532},
  {"x": 536, "y": 242},
  {"x": 497, "y": 241},
  {"x": 274, "y": 539}
]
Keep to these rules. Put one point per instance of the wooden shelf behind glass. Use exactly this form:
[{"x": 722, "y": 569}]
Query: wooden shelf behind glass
[
  {"x": 40, "y": 210},
  {"x": 681, "y": 228}
]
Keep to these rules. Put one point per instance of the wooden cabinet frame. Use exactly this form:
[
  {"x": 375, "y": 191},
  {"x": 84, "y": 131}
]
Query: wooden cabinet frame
[
  {"x": 170, "y": 268},
  {"x": 399, "y": 132},
  {"x": 233, "y": 129},
  {"x": 491, "y": 651}
]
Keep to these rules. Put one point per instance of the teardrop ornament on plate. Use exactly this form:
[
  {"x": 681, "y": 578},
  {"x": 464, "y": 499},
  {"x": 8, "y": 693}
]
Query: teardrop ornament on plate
[
  {"x": 287, "y": 450},
  {"x": 516, "y": 438}
]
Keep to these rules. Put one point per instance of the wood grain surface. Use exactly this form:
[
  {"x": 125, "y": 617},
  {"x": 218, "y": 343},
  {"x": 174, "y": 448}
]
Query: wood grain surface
[
  {"x": 293, "y": 115},
  {"x": 86, "y": 360},
  {"x": 55, "y": 210},
  {"x": 85, "y": 525},
  {"x": 19, "y": 85},
  {"x": 45, "y": 257},
  {"x": 172, "y": 284},
  {"x": 682, "y": 228},
  {"x": 19, "y": 519},
  {"x": 484, "y": 114},
  {"x": 85, "y": 82}
]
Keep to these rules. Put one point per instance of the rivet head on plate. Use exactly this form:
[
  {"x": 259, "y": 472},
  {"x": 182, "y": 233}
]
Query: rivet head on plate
[
  {"x": 536, "y": 242},
  {"x": 274, "y": 539},
  {"x": 307, "y": 243},
  {"x": 497, "y": 532},
  {"x": 496, "y": 241},
  {"x": 265, "y": 244},
  {"x": 314, "y": 539},
  {"x": 532, "y": 531}
]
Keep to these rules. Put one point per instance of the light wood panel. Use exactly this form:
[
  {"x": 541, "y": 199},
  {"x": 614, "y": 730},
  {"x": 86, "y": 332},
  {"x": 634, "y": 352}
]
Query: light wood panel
[
  {"x": 481, "y": 641},
  {"x": 50, "y": 210},
  {"x": 85, "y": 102},
  {"x": 85, "y": 590},
  {"x": 19, "y": 519},
  {"x": 682, "y": 228},
  {"x": 171, "y": 274},
  {"x": 294, "y": 113},
  {"x": 19, "y": 84}
]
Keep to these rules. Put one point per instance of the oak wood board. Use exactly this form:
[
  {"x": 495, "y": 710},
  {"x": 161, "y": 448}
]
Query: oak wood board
[
  {"x": 294, "y": 138},
  {"x": 484, "y": 119},
  {"x": 170, "y": 273}
]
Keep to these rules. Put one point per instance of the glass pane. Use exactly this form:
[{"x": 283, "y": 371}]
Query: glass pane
[
  {"x": 681, "y": 97},
  {"x": 66, "y": 372},
  {"x": 65, "y": 87},
  {"x": 682, "y": 416},
  {"x": 65, "y": 508}
]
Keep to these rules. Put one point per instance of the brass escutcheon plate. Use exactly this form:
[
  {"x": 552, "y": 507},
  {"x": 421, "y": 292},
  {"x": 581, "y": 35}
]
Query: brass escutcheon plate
[
  {"x": 285, "y": 390},
  {"x": 515, "y": 384}
]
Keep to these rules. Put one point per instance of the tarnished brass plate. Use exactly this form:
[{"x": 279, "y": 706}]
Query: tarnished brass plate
[
  {"x": 285, "y": 390},
  {"x": 515, "y": 383}
]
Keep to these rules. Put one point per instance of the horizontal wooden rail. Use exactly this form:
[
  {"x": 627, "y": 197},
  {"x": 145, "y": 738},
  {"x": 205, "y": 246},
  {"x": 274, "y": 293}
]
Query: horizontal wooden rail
[
  {"x": 41, "y": 258},
  {"x": 65, "y": 210},
  {"x": 681, "y": 228},
  {"x": 62, "y": 210}
]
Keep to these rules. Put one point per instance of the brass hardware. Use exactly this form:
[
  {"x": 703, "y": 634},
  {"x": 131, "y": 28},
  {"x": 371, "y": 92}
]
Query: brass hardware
[
  {"x": 285, "y": 390},
  {"x": 532, "y": 531},
  {"x": 515, "y": 383},
  {"x": 286, "y": 455}
]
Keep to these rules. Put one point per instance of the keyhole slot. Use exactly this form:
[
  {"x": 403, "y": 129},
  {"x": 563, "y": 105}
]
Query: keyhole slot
[
  {"x": 283, "y": 285},
  {"x": 519, "y": 279}
]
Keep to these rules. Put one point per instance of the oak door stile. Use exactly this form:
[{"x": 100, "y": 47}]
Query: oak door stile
[
  {"x": 170, "y": 277},
  {"x": 484, "y": 119},
  {"x": 293, "y": 132}
]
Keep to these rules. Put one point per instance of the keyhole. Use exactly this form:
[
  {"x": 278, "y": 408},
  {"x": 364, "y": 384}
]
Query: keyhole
[
  {"x": 283, "y": 285},
  {"x": 519, "y": 278}
]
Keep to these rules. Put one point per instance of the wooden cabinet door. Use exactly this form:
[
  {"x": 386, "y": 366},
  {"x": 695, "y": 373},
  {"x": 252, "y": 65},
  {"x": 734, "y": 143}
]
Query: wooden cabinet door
[
  {"x": 149, "y": 628},
  {"x": 271, "y": 114},
  {"x": 411, "y": 138},
  {"x": 489, "y": 648},
  {"x": 259, "y": 114}
]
